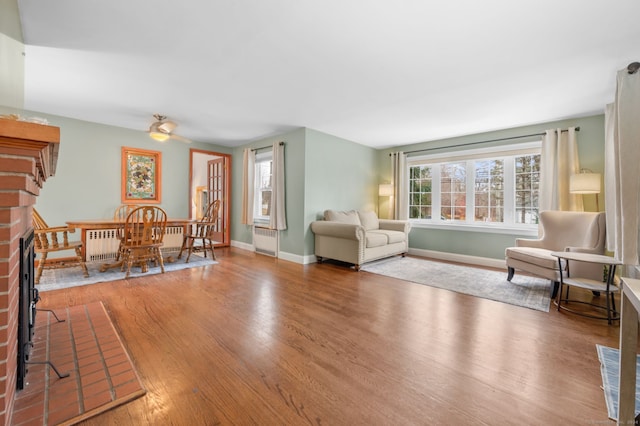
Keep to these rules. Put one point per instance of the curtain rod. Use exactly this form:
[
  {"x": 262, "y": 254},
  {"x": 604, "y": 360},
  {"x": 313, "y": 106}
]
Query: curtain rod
[
  {"x": 265, "y": 147},
  {"x": 487, "y": 141}
]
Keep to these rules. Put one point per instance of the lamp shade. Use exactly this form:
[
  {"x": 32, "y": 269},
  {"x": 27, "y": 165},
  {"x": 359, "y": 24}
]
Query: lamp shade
[
  {"x": 584, "y": 183},
  {"x": 385, "y": 190}
]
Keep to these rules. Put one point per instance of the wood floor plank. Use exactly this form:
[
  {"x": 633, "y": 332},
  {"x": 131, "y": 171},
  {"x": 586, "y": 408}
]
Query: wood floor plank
[{"x": 257, "y": 340}]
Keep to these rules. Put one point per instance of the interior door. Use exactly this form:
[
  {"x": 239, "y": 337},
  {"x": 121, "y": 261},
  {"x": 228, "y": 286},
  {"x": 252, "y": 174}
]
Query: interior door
[
  {"x": 217, "y": 190},
  {"x": 209, "y": 180}
]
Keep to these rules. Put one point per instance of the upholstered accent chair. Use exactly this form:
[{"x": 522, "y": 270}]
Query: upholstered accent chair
[{"x": 561, "y": 231}]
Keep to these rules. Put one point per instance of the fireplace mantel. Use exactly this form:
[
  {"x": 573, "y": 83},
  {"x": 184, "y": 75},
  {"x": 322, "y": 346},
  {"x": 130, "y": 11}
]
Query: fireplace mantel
[
  {"x": 42, "y": 142},
  {"x": 28, "y": 156}
]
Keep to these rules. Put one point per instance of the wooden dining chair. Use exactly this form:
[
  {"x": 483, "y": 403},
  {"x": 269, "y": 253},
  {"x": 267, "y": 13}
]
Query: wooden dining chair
[
  {"x": 143, "y": 235},
  {"x": 123, "y": 210},
  {"x": 202, "y": 230},
  {"x": 120, "y": 215},
  {"x": 49, "y": 240}
]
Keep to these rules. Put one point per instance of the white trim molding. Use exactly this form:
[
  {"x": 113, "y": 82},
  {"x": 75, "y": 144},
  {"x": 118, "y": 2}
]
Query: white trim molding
[{"x": 462, "y": 258}]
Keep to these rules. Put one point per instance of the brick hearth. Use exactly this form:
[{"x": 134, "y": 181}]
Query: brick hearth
[{"x": 28, "y": 156}]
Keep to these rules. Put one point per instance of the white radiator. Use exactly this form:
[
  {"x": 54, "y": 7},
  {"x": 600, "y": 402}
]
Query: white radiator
[
  {"x": 102, "y": 244},
  {"x": 265, "y": 241}
]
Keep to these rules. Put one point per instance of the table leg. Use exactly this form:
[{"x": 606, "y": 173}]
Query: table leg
[
  {"x": 559, "y": 295},
  {"x": 628, "y": 347}
]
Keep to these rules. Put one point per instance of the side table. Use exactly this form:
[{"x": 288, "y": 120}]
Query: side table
[
  {"x": 608, "y": 287},
  {"x": 628, "y": 348}
]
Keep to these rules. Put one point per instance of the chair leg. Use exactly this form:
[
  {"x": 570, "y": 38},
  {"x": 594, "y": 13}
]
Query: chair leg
[
  {"x": 82, "y": 264},
  {"x": 510, "y": 272},
  {"x": 204, "y": 246},
  {"x": 129, "y": 264},
  {"x": 213, "y": 253},
  {"x": 190, "y": 247},
  {"x": 208, "y": 247},
  {"x": 119, "y": 252},
  {"x": 160, "y": 259},
  {"x": 184, "y": 242}
]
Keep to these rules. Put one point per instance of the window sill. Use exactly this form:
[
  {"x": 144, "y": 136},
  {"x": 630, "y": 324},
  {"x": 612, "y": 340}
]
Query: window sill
[{"x": 531, "y": 231}]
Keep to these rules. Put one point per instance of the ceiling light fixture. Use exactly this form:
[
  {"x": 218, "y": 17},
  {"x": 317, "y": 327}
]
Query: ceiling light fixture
[{"x": 159, "y": 136}]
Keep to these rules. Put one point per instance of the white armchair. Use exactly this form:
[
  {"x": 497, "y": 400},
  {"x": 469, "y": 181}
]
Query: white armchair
[{"x": 561, "y": 231}]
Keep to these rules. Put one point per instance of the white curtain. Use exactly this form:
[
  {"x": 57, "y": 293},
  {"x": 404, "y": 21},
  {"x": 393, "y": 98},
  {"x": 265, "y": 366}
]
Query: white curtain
[
  {"x": 278, "y": 217},
  {"x": 558, "y": 161},
  {"x": 248, "y": 185},
  {"x": 622, "y": 168},
  {"x": 400, "y": 186}
]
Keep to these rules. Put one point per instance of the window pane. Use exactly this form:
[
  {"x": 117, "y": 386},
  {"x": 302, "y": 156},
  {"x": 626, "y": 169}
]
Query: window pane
[
  {"x": 482, "y": 199},
  {"x": 420, "y": 192},
  {"x": 453, "y": 190},
  {"x": 489, "y": 186},
  {"x": 262, "y": 200},
  {"x": 265, "y": 205},
  {"x": 527, "y": 184}
]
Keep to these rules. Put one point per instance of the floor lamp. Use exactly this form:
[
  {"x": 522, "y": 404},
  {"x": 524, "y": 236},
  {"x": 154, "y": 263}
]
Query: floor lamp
[
  {"x": 386, "y": 190},
  {"x": 585, "y": 182}
]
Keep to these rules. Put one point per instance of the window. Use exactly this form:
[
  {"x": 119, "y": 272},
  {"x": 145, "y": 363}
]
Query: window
[
  {"x": 262, "y": 202},
  {"x": 490, "y": 187}
]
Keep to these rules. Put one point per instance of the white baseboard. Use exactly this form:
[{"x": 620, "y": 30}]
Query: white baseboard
[
  {"x": 451, "y": 257},
  {"x": 463, "y": 258},
  {"x": 241, "y": 245},
  {"x": 296, "y": 258},
  {"x": 283, "y": 255}
]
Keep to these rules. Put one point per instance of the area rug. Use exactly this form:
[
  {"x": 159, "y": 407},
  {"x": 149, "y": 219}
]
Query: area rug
[
  {"x": 528, "y": 292},
  {"x": 55, "y": 279},
  {"x": 87, "y": 348},
  {"x": 609, "y": 368}
]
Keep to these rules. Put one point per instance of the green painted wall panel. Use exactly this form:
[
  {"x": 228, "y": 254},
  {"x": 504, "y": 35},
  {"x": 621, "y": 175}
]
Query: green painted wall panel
[
  {"x": 291, "y": 238},
  {"x": 340, "y": 175}
]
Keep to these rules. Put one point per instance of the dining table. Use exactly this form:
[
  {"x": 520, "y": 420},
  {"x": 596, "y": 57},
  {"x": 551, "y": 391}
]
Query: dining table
[{"x": 100, "y": 242}]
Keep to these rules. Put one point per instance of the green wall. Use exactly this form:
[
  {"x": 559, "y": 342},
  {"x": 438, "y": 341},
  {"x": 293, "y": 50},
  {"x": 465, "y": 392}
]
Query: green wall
[
  {"x": 87, "y": 182},
  {"x": 322, "y": 172},
  {"x": 339, "y": 175},
  {"x": 11, "y": 56},
  {"x": 492, "y": 245},
  {"x": 290, "y": 239}
]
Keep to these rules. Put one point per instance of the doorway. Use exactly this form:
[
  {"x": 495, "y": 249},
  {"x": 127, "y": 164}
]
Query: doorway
[{"x": 210, "y": 180}]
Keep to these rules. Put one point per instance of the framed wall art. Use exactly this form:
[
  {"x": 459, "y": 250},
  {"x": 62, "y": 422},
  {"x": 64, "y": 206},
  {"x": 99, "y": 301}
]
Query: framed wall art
[{"x": 141, "y": 176}]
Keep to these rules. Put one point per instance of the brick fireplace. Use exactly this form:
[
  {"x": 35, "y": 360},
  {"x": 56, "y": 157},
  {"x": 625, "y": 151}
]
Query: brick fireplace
[{"x": 28, "y": 156}]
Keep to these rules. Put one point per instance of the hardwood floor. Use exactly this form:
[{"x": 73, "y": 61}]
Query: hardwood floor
[{"x": 256, "y": 340}]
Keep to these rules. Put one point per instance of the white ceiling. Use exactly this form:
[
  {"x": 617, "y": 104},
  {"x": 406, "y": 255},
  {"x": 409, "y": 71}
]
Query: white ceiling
[{"x": 376, "y": 72}]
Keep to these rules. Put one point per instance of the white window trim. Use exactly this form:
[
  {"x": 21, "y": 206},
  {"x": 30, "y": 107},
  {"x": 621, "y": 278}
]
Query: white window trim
[{"x": 477, "y": 153}]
